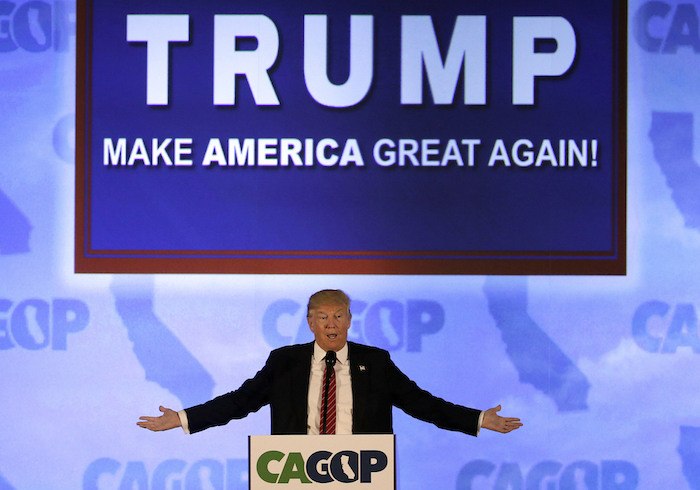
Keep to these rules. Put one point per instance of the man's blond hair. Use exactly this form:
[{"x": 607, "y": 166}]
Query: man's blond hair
[{"x": 328, "y": 297}]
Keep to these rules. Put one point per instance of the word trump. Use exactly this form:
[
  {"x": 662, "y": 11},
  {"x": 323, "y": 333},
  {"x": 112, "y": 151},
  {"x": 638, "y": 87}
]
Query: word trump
[
  {"x": 321, "y": 466},
  {"x": 420, "y": 53}
]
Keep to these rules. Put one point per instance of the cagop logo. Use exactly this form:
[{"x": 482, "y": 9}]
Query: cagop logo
[{"x": 322, "y": 466}]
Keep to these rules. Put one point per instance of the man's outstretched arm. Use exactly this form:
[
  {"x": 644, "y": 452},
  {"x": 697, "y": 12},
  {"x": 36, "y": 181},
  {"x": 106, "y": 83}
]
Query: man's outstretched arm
[{"x": 493, "y": 421}]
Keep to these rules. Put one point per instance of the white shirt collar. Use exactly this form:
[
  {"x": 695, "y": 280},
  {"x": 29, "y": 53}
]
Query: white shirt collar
[{"x": 341, "y": 355}]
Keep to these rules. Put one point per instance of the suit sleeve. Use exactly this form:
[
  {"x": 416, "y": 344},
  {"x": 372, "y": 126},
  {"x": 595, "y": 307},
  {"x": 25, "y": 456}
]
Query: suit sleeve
[
  {"x": 253, "y": 394},
  {"x": 418, "y": 403}
]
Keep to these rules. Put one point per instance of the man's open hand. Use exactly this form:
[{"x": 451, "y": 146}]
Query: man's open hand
[
  {"x": 169, "y": 420},
  {"x": 493, "y": 421}
]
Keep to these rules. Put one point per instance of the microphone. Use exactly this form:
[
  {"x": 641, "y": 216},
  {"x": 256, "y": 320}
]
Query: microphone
[{"x": 330, "y": 358}]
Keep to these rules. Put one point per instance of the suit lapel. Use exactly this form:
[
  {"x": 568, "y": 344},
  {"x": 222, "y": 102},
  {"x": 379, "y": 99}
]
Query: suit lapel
[
  {"x": 359, "y": 381},
  {"x": 300, "y": 378}
]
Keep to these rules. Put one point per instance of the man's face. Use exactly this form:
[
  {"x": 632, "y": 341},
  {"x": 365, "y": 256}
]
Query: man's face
[{"x": 330, "y": 324}]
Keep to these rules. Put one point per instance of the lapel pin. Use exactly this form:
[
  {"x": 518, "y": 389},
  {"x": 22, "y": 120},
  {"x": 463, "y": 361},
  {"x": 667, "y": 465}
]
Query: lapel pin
[{"x": 362, "y": 367}]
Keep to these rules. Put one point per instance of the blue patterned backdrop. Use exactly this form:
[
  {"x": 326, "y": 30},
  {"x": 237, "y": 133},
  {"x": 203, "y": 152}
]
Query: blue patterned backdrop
[{"x": 602, "y": 370}]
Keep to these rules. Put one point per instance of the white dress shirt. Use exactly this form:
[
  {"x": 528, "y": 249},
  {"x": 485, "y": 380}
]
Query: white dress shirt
[{"x": 343, "y": 392}]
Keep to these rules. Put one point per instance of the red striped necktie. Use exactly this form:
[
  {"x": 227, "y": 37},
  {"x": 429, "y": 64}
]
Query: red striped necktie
[{"x": 327, "y": 425}]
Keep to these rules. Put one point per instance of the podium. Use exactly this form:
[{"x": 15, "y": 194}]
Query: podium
[{"x": 324, "y": 461}]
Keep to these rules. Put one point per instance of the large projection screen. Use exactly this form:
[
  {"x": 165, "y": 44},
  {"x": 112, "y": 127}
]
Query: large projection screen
[{"x": 351, "y": 137}]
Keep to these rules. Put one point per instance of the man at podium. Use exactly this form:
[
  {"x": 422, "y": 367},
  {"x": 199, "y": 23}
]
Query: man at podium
[{"x": 330, "y": 386}]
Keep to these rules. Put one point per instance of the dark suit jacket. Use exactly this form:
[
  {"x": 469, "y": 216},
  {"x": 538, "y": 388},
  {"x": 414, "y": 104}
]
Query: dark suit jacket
[{"x": 377, "y": 385}]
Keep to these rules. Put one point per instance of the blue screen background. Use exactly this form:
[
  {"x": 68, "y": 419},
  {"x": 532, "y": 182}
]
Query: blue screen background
[{"x": 488, "y": 209}]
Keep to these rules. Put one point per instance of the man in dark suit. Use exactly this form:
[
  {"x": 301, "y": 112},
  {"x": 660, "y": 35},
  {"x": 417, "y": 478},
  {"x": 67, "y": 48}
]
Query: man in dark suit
[{"x": 369, "y": 385}]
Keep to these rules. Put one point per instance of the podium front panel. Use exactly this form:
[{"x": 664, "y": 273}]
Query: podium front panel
[{"x": 329, "y": 462}]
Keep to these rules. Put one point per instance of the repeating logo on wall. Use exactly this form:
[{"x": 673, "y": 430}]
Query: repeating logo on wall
[
  {"x": 36, "y": 324},
  {"x": 229, "y": 474},
  {"x": 36, "y": 26},
  {"x": 388, "y": 324},
  {"x": 608, "y": 475},
  {"x": 658, "y": 327},
  {"x": 660, "y": 27}
]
